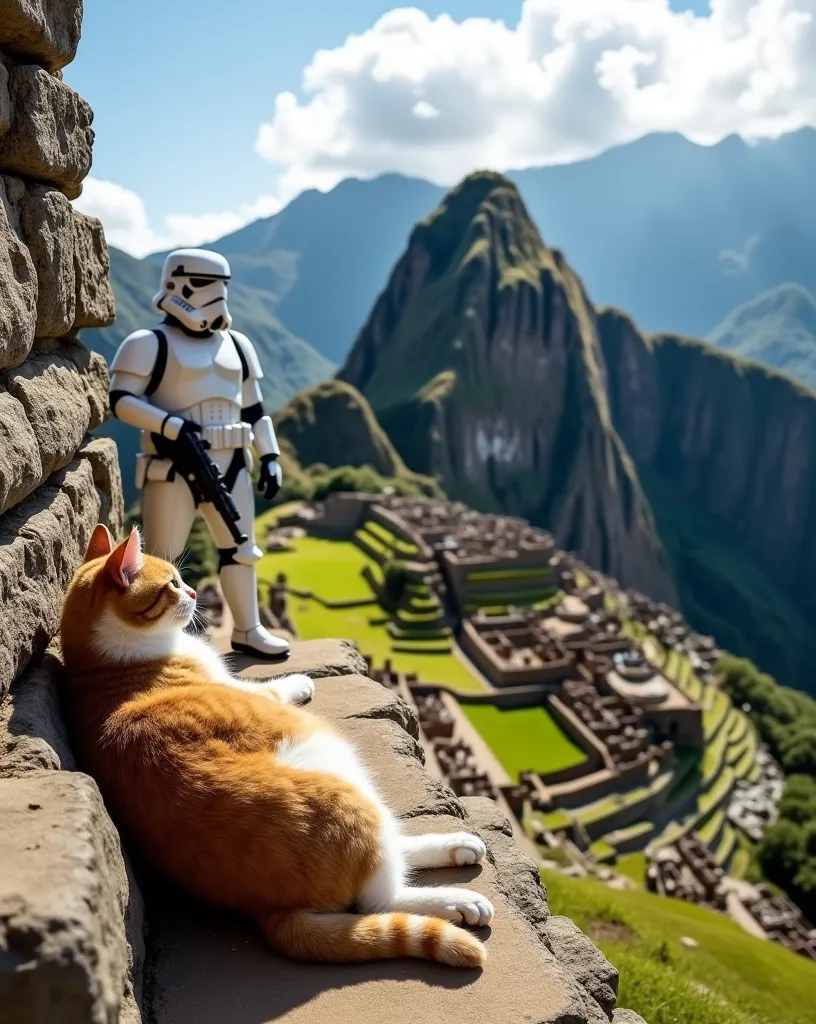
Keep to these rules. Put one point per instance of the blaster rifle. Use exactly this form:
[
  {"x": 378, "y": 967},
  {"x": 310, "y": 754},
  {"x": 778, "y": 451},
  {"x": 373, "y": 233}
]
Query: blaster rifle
[{"x": 189, "y": 457}]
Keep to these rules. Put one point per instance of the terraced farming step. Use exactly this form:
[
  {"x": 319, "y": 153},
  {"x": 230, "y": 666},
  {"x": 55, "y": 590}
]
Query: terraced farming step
[{"x": 726, "y": 846}]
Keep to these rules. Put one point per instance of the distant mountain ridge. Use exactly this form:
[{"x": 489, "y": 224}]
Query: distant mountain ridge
[
  {"x": 675, "y": 233},
  {"x": 777, "y": 328}
]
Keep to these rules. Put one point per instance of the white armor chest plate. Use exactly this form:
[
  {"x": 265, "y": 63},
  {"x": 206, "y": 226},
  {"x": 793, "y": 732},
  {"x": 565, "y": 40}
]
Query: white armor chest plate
[{"x": 203, "y": 378}]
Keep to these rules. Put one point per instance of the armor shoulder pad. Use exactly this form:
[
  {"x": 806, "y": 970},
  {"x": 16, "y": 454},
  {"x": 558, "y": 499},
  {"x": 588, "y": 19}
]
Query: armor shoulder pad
[
  {"x": 137, "y": 354},
  {"x": 249, "y": 353}
]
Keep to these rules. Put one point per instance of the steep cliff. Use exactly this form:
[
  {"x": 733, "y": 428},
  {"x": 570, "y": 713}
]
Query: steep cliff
[
  {"x": 725, "y": 449},
  {"x": 481, "y": 360}
]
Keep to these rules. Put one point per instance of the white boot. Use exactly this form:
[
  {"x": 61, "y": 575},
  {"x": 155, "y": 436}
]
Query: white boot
[{"x": 239, "y": 586}]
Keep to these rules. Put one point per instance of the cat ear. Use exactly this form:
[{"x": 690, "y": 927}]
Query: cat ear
[
  {"x": 101, "y": 543},
  {"x": 125, "y": 561}
]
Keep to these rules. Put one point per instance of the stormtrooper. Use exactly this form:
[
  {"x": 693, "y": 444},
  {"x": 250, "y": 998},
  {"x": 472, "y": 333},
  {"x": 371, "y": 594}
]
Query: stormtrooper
[{"x": 192, "y": 374}]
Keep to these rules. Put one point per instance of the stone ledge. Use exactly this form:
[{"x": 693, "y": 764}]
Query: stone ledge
[
  {"x": 316, "y": 658},
  {"x": 42, "y": 542},
  {"x": 50, "y": 137},
  {"x": 47, "y": 405},
  {"x": 64, "y": 892},
  {"x": 46, "y": 228},
  {"x": 208, "y": 966},
  {"x": 47, "y": 30},
  {"x": 95, "y": 305}
]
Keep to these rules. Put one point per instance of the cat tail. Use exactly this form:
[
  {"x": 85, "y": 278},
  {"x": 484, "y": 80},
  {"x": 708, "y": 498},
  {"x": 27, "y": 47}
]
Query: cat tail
[{"x": 352, "y": 938}]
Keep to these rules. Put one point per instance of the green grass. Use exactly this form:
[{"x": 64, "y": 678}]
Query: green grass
[
  {"x": 401, "y": 548},
  {"x": 600, "y": 809},
  {"x": 714, "y": 757},
  {"x": 484, "y": 575},
  {"x": 741, "y": 861},
  {"x": 557, "y": 820},
  {"x": 717, "y": 793},
  {"x": 726, "y": 845},
  {"x": 331, "y": 569},
  {"x": 731, "y": 978},
  {"x": 712, "y": 827},
  {"x": 524, "y": 739},
  {"x": 313, "y": 622},
  {"x": 603, "y": 851},
  {"x": 714, "y": 716},
  {"x": 272, "y": 515},
  {"x": 633, "y": 865}
]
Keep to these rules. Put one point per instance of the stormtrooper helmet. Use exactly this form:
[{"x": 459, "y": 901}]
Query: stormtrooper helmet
[{"x": 194, "y": 290}]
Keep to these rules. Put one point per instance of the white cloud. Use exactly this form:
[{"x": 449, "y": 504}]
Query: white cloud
[
  {"x": 128, "y": 227},
  {"x": 437, "y": 98},
  {"x": 123, "y": 216}
]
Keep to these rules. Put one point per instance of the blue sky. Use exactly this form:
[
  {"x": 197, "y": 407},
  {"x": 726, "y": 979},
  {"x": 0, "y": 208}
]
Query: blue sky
[{"x": 180, "y": 97}]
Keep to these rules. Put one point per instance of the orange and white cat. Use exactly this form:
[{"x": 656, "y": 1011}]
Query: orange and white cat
[{"x": 238, "y": 796}]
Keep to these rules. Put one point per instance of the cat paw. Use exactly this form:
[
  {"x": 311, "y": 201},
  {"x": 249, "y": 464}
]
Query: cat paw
[
  {"x": 296, "y": 689},
  {"x": 463, "y": 848},
  {"x": 470, "y": 908}
]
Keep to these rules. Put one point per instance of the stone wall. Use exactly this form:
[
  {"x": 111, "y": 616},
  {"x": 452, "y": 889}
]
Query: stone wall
[{"x": 65, "y": 899}]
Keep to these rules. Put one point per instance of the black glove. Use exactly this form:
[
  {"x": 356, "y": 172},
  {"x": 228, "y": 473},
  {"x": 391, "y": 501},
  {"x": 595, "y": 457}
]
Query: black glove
[{"x": 271, "y": 476}]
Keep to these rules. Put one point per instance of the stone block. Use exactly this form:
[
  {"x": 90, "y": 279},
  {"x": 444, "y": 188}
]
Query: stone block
[
  {"x": 103, "y": 457},
  {"x": 315, "y": 658},
  {"x": 520, "y": 879},
  {"x": 46, "y": 228},
  {"x": 50, "y": 136},
  {"x": 585, "y": 961},
  {"x": 47, "y": 405},
  {"x": 65, "y": 904},
  {"x": 18, "y": 279},
  {"x": 45, "y": 30},
  {"x": 5, "y": 100},
  {"x": 627, "y": 1017},
  {"x": 33, "y": 737},
  {"x": 95, "y": 305},
  {"x": 42, "y": 542}
]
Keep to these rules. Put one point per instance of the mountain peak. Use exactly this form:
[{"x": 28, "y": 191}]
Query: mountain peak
[
  {"x": 484, "y": 212},
  {"x": 481, "y": 360}
]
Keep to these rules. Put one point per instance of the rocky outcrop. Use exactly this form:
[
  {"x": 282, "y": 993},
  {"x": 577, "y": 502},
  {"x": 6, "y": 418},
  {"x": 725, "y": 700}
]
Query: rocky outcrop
[
  {"x": 333, "y": 424},
  {"x": 71, "y": 942},
  {"x": 481, "y": 359}
]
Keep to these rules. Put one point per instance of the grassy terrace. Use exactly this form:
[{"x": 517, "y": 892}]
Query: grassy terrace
[
  {"x": 712, "y": 827},
  {"x": 332, "y": 570},
  {"x": 390, "y": 542},
  {"x": 524, "y": 739},
  {"x": 714, "y": 716},
  {"x": 731, "y": 978},
  {"x": 714, "y": 757},
  {"x": 726, "y": 846},
  {"x": 603, "y": 851},
  {"x": 633, "y": 865},
  {"x": 491, "y": 575}
]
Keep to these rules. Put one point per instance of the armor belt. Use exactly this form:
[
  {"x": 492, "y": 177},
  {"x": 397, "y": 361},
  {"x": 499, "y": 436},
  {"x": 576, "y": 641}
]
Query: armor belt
[{"x": 232, "y": 435}]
